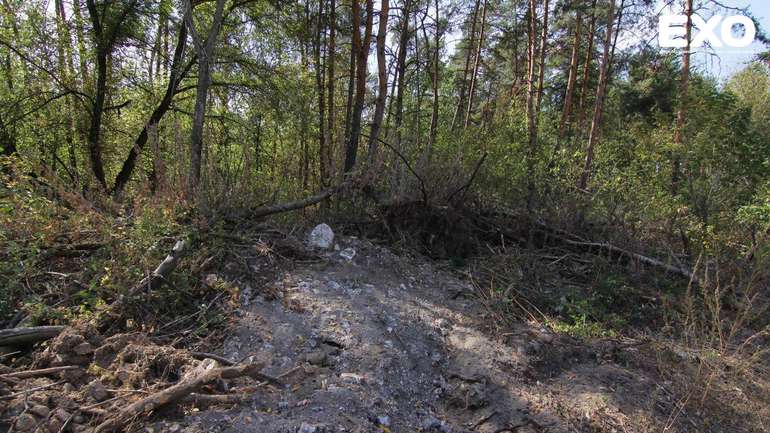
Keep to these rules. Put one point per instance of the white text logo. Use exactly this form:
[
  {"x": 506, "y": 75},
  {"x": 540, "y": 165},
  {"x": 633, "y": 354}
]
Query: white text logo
[{"x": 671, "y": 31}]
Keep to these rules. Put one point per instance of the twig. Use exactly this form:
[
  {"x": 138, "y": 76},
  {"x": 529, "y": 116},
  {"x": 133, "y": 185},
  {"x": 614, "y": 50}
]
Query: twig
[
  {"x": 465, "y": 187},
  {"x": 203, "y": 355},
  {"x": 42, "y": 372},
  {"x": 27, "y": 391},
  {"x": 409, "y": 167}
]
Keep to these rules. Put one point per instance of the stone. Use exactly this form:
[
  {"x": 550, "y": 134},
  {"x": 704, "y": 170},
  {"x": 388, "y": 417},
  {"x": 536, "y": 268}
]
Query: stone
[
  {"x": 348, "y": 254},
  {"x": 83, "y": 348},
  {"x": 352, "y": 378},
  {"x": 25, "y": 422},
  {"x": 321, "y": 237},
  {"x": 211, "y": 281},
  {"x": 431, "y": 423},
  {"x": 383, "y": 420},
  {"x": 61, "y": 414},
  {"x": 97, "y": 391},
  {"x": 308, "y": 428},
  {"x": 39, "y": 410},
  {"x": 76, "y": 375},
  {"x": 317, "y": 357}
]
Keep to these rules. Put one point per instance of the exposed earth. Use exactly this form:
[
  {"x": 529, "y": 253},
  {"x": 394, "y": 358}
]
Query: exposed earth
[{"x": 380, "y": 342}]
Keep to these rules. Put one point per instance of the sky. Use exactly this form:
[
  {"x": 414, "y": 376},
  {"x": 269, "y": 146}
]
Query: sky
[{"x": 725, "y": 61}]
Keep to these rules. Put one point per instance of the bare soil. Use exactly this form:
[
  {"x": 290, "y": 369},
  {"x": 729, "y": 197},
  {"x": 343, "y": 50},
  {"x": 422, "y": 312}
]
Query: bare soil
[{"x": 387, "y": 343}]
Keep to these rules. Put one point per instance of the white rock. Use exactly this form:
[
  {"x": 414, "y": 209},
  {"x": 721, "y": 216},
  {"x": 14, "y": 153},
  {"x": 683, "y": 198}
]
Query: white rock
[
  {"x": 322, "y": 237},
  {"x": 307, "y": 428},
  {"x": 348, "y": 253}
]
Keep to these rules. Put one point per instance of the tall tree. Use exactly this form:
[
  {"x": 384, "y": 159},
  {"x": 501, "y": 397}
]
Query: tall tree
[
  {"x": 476, "y": 65},
  {"x": 584, "y": 83},
  {"x": 67, "y": 68},
  {"x": 319, "y": 78},
  {"x": 204, "y": 51},
  {"x": 362, "y": 53},
  {"x": 382, "y": 79},
  {"x": 106, "y": 27},
  {"x": 541, "y": 73},
  {"x": 684, "y": 89},
  {"x": 331, "y": 77},
  {"x": 530, "y": 101},
  {"x": 466, "y": 69},
  {"x": 176, "y": 74},
  {"x": 531, "y": 61},
  {"x": 435, "y": 82},
  {"x": 601, "y": 90},
  {"x": 572, "y": 77},
  {"x": 403, "y": 46}
]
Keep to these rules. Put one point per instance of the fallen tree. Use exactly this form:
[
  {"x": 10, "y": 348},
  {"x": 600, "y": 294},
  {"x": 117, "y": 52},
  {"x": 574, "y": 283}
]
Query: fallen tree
[
  {"x": 23, "y": 336},
  {"x": 298, "y": 204}
]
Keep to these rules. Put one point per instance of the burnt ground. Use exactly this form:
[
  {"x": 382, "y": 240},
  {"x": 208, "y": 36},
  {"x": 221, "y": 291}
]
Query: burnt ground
[{"x": 396, "y": 343}]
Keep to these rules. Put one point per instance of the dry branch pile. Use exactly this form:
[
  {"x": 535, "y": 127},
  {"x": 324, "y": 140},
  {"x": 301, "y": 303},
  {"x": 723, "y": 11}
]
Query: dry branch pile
[{"x": 84, "y": 382}]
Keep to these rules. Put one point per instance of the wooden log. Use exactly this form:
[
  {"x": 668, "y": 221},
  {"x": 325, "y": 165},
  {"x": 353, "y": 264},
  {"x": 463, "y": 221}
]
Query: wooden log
[
  {"x": 206, "y": 373},
  {"x": 22, "y": 336},
  {"x": 297, "y": 204}
]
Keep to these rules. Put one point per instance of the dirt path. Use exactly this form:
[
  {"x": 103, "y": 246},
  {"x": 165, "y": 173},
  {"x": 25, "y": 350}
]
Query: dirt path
[{"x": 393, "y": 344}]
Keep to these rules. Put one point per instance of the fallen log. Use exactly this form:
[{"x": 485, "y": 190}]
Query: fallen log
[
  {"x": 575, "y": 241},
  {"x": 21, "y": 336},
  {"x": 206, "y": 373},
  {"x": 297, "y": 204},
  {"x": 650, "y": 261}
]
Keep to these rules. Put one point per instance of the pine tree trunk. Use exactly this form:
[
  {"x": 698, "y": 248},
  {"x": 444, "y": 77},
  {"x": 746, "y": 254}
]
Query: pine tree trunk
[
  {"x": 543, "y": 46},
  {"x": 586, "y": 73},
  {"x": 434, "y": 113},
  {"x": 382, "y": 81},
  {"x": 681, "y": 113},
  {"x": 362, "y": 51},
  {"x": 355, "y": 44},
  {"x": 477, "y": 63},
  {"x": 601, "y": 87},
  {"x": 531, "y": 116},
  {"x": 573, "y": 66},
  {"x": 468, "y": 53},
  {"x": 330, "y": 60},
  {"x": 403, "y": 45},
  {"x": 319, "y": 78}
]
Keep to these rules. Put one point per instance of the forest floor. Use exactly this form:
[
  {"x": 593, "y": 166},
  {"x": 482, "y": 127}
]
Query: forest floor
[{"x": 391, "y": 343}]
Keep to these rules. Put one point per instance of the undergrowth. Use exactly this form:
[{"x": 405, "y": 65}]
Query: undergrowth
[{"x": 63, "y": 259}]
